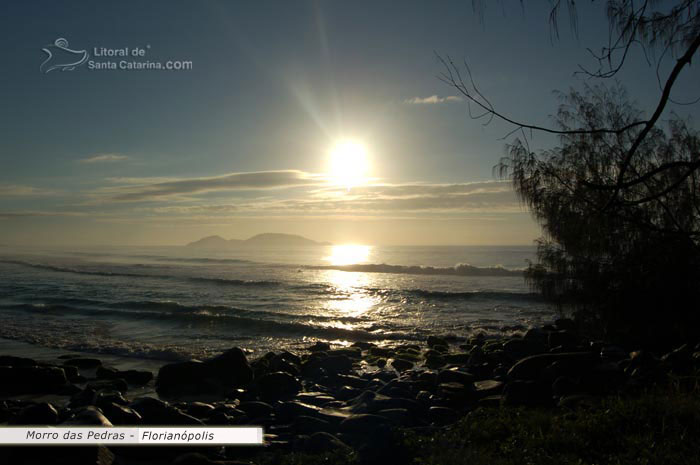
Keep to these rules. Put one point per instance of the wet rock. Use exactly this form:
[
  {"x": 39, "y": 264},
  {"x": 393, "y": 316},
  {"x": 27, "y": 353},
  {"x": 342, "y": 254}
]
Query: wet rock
[
  {"x": 83, "y": 363},
  {"x": 307, "y": 424},
  {"x": 121, "y": 415},
  {"x": 156, "y": 412},
  {"x": 384, "y": 352},
  {"x": 455, "y": 376},
  {"x": 442, "y": 415},
  {"x": 347, "y": 393},
  {"x": 216, "y": 376},
  {"x": 135, "y": 377},
  {"x": 433, "y": 360},
  {"x": 488, "y": 387},
  {"x": 199, "y": 409},
  {"x": 42, "y": 413},
  {"x": 277, "y": 385},
  {"x": 363, "y": 345},
  {"x": 323, "y": 442},
  {"x": 26, "y": 379},
  {"x": 531, "y": 367},
  {"x": 364, "y": 424},
  {"x": 195, "y": 458},
  {"x": 528, "y": 393},
  {"x": 107, "y": 397},
  {"x": 319, "y": 346},
  {"x": 329, "y": 364},
  {"x": 564, "y": 338},
  {"x": 109, "y": 384},
  {"x": 461, "y": 358},
  {"x": 436, "y": 341},
  {"x": 457, "y": 393},
  {"x": 401, "y": 365},
  {"x": 566, "y": 324},
  {"x": 519, "y": 348},
  {"x": 256, "y": 409},
  {"x": 12, "y": 361},
  {"x": 318, "y": 399},
  {"x": 88, "y": 416},
  {"x": 397, "y": 416}
]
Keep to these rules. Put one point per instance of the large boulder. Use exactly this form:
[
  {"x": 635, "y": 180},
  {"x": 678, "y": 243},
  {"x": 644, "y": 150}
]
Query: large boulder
[
  {"x": 213, "y": 377},
  {"x": 28, "y": 379},
  {"x": 277, "y": 385},
  {"x": 531, "y": 368}
]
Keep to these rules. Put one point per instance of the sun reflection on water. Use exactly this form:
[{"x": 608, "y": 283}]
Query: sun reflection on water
[{"x": 350, "y": 296}]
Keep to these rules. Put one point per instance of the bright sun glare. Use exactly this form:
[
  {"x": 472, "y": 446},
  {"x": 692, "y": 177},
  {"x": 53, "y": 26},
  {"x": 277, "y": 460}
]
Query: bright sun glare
[
  {"x": 348, "y": 254},
  {"x": 348, "y": 165}
]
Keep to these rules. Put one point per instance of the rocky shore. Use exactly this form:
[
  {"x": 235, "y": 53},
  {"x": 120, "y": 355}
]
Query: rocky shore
[{"x": 348, "y": 399}]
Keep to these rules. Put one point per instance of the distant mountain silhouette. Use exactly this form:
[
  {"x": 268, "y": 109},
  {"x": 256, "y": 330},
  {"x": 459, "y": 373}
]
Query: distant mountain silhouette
[{"x": 260, "y": 240}]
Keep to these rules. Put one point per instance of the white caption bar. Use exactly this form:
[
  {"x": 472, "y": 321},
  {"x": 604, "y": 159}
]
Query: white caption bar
[{"x": 79, "y": 435}]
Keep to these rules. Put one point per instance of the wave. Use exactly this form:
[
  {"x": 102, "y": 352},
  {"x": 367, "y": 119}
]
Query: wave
[
  {"x": 460, "y": 269},
  {"x": 210, "y": 280},
  {"x": 234, "y": 320},
  {"x": 447, "y": 295}
]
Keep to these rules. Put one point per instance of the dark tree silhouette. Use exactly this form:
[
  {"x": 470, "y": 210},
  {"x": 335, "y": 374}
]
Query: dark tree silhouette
[{"x": 617, "y": 197}]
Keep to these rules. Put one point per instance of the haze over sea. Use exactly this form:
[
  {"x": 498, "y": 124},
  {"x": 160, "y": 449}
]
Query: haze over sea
[{"x": 169, "y": 303}]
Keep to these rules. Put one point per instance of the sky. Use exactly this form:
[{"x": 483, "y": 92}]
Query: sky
[{"x": 241, "y": 141}]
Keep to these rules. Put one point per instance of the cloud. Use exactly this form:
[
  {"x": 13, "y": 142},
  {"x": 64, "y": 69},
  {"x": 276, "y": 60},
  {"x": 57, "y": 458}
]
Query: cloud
[
  {"x": 104, "y": 158},
  {"x": 433, "y": 99},
  {"x": 394, "y": 199},
  {"x": 33, "y": 214},
  {"x": 14, "y": 190},
  {"x": 233, "y": 181}
]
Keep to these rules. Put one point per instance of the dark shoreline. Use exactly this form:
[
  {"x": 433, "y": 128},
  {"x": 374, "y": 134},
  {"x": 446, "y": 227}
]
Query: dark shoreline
[{"x": 326, "y": 400}]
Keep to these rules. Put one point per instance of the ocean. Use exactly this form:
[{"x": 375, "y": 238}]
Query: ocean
[{"x": 173, "y": 303}]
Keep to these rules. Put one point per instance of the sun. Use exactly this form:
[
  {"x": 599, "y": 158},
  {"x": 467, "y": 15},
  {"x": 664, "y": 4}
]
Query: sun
[{"x": 348, "y": 164}]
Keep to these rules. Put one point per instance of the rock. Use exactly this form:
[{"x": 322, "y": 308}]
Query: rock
[
  {"x": 528, "y": 393},
  {"x": 488, "y": 387},
  {"x": 566, "y": 324},
  {"x": 121, "y": 415},
  {"x": 318, "y": 399},
  {"x": 563, "y": 338},
  {"x": 109, "y": 384},
  {"x": 135, "y": 377},
  {"x": 329, "y": 364},
  {"x": 397, "y": 416},
  {"x": 216, "y": 376},
  {"x": 455, "y": 376},
  {"x": 199, "y": 409},
  {"x": 347, "y": 393},
  {"x": 457, "y": 393},
  {"x": 457, "y": 359},
  {"x": 42, "y": 413},
  {"x": 107, "y": 397},
  {"x": 12, "y": 361},
  {"x": 384, "y": 352},
  {"x": 319, "y": 346},
  {"x": 442, "y": 415},
  {"x": 255, "y": 409},
  {"x": 436, "y": 341},
  {"x": 401, "y": 364},
  {"x": 364, "y": 424},
  {"x": 195, "y": 458},
  {"x": 83, "y": 363},
  {"x": 323, "y": 442},
  {"x": 531, "y": 367},
  {"x": 363, "y": 345},
  {"x": 519, "y": 348},
  {"x": 27, "y": 379},
  {"x": 157, "y": 412},
  {"x": 434, "y": 361},
  {"x": 307, "y": 424},
  {"x": 277, "y": 385},
  {"x": 564, "y": 386},
  {"x": 88, "y": 416}
]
